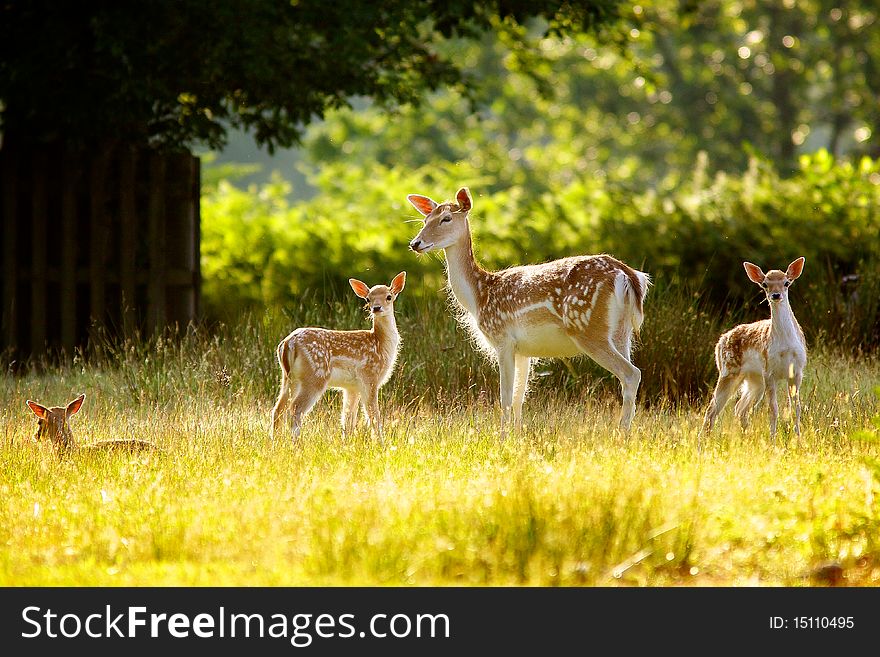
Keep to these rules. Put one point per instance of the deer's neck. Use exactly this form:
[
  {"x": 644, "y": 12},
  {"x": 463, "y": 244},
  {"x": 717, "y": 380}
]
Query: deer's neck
[
  {"x": 467, "y": 279},
  {"x": 385, "y": 331},
  {"x": 784, "y": 326}
]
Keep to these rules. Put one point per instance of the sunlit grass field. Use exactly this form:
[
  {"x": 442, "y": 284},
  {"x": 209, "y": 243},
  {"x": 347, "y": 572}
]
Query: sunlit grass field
[{"x": 569, "y": 502}]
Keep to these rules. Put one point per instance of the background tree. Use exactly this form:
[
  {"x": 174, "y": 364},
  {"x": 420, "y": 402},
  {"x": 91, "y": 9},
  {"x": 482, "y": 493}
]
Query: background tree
[
  {"x": 708, "y": 137},
  {"x": 770, "y": 75},
  {"x": 725, "y": 77},
  {"x": 174, "y": 74},
  {"x": 100, "y": 103}
]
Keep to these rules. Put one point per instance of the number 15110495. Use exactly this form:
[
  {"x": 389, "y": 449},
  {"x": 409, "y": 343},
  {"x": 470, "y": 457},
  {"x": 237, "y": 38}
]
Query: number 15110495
[{"x": 812, "y": 622}]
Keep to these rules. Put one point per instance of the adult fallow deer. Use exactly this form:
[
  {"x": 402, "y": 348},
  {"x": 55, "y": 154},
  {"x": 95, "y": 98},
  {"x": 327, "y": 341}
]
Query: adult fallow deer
[{"x": 586, "y": 304}]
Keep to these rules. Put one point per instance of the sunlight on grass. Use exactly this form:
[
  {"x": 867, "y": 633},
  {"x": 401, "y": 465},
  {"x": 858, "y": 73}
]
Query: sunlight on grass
[{"x": 569, "y": 502}]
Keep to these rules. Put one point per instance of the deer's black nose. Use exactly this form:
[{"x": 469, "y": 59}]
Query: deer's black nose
[
  {"x": 377, "y": 309},
  {"x": 414, "y": 245},
  {"x": 776, "y": 296}
]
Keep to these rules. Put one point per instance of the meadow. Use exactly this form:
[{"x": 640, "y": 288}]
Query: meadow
[{"x": 569, "y": 502}]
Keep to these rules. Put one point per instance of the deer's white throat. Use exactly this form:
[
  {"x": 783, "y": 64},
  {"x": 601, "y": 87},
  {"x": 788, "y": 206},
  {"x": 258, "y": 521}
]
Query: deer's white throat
[
  {"x": 461, "y": 272},
  {"x": 785, "y": 328}
]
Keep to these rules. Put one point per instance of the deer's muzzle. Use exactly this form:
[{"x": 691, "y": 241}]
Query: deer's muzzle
[{"x": 418, "y": 246}]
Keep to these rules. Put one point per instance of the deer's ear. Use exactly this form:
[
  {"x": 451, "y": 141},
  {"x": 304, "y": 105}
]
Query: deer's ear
[
  {"x": 754, "y": 272},
  {"x": 464, "y": 199},
  {"x": 422, "y": 203},
  {"x": 76, "y": 404},
  {"x": 794, "y": 269},
  {"x": 398, "y": 283},
  {"x": 360, "y": 288},
  {"x": 39, "y": 410}
]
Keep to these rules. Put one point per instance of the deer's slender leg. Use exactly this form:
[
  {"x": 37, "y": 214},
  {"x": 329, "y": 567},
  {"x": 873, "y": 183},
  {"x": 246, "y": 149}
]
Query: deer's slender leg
[{"x": 523, "y": 365}]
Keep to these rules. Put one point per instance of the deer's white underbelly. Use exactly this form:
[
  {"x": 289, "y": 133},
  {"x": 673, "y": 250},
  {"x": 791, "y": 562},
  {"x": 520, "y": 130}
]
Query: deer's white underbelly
[
  {"x": 344, "y": 373},
  {"x": 540, "y": 333},
  {"x": 545, "y": 342}
]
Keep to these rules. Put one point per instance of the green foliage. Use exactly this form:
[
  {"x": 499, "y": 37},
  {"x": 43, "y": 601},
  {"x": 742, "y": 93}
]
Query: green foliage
[
  {"x": 175, "y": 75},
  {"x": 213, "y": 173},
  {"x": 693, "y": 231},
  {"x": 724, "y": 77},
  {"x": 257, "y": 249},
  {"x": 777, "y": 76}
]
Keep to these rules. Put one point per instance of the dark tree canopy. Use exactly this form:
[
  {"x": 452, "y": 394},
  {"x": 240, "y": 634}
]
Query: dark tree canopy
[{"x": 174, "y": 74}]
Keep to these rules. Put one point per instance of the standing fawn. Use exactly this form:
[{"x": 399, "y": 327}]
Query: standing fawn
[
  {"x": 356, "y": 362},
  {"x": 754, "y": 357},
  {"x": 589, "y": 304},
  {"x": 53, "y": 423}
]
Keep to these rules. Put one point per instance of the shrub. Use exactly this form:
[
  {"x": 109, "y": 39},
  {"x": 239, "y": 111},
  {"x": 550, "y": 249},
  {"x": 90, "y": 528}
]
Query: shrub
[{"x": 261, "y": 251}]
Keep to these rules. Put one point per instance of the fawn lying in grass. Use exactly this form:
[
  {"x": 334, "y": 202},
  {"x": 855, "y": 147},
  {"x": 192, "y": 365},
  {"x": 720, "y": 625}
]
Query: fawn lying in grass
[
  {"x": 356, "y": 362},
  {"x": 53, "y": 423},
  {"x": 754, "y": 357}
]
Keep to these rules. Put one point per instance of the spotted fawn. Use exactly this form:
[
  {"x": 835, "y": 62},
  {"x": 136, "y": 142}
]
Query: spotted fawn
[
  {"x": 755, "y": 357},
  {"x": 358, "y": 363}
]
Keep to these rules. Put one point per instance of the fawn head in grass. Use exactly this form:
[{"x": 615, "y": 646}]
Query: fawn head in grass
[{"x": 53, "y": 424}]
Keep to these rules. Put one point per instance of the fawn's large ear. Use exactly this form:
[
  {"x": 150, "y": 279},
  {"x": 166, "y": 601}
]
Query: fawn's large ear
[
  {"x": 794, "y": 269},
  {"x": 422, "y": 203},
  {"x": 76, "y": 404},
  {"x": 398, "y": 283},
  {"x": 360, "y": 288},
  {"x": 39, "y": 410},
  {"x": 463, "y": 196},
  {"x": 754, "y": 272}
]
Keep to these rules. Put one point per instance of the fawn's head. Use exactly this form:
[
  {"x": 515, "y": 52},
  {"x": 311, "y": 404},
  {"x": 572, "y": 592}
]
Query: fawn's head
[
  {"x": 445, "y": 223},
  {"x": 380, "y": 298},
  {"x": 53, "y": 422},
  {"x": 775, "y": 283}
]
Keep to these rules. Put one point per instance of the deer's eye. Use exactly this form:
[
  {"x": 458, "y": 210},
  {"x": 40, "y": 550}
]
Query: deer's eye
[
  {"x": 388, "y": 298},
  {"x": 445, "y": 219},
  {"x": 764, "y": 285},
  {"x": 787, "y": 283}
]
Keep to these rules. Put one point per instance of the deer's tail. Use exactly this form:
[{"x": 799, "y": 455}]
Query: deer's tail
[{"x": 635, "y": 289}]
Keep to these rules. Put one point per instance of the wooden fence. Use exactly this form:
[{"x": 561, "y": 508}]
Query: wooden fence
[{"x": 96, "y": 241}]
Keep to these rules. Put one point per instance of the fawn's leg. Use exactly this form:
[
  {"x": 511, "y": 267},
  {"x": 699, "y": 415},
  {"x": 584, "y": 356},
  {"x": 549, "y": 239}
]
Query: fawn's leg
[
  {"x": 794, "y": 400},
  {"x": 752, "y": 393},
  {"x": 725, "y": 387},
  {"x": 772, "y": 406},
  {"x": 350, "y": 403},
  {"x": 506, "y": 376},
  {"x": 371, "y": 404},
  {"x": 282, "y": 406},
  {"x": 623, "y": 342},
  {"x": 309, "y": 392}
]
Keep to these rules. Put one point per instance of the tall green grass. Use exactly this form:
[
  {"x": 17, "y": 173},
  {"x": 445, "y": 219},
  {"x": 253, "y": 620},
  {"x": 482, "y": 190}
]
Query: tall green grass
[{"x": 569, "y": 502}]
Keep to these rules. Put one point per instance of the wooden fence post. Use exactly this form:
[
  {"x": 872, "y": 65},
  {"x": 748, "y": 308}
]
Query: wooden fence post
[{"x": 106, "y": 240}]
